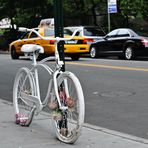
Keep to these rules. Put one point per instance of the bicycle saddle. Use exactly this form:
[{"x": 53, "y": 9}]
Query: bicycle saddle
[{"x": 30, "y": 48}]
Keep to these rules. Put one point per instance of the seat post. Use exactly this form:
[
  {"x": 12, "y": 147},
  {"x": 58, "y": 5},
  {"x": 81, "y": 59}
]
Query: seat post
[
  {"x": 36, "y": 75},
  {"x": 34, "y": 58}
]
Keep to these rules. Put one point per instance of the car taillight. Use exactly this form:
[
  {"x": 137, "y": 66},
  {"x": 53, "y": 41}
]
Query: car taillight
[
  {"x": 87, "y": 41},
  {"x": 52, "y": 41},
  {"x": 145, "y": 42}
]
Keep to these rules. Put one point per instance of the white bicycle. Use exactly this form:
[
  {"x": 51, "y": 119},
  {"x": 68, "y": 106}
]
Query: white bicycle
[{"x": 64, "y": 94}]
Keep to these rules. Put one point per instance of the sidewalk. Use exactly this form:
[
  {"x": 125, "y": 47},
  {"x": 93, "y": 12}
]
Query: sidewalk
[{"x": 40, "y": 134}]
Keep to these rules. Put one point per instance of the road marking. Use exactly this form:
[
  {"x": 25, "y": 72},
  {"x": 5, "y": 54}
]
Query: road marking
[{"x": 109, "y": 66}]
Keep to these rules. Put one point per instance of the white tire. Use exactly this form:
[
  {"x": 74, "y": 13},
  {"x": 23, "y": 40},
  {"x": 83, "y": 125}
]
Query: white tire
[
  {"x": 68, "y": 127},
  {"x": 23, "y": 86}
]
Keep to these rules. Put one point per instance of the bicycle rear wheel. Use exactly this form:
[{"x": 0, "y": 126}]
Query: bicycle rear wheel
[
  {"x": 23, "y": 88},
  {"x": 68, "y": 123}
]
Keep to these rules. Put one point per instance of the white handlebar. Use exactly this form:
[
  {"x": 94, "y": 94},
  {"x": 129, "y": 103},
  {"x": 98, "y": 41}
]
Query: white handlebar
[{"x": 23, "y": 29}]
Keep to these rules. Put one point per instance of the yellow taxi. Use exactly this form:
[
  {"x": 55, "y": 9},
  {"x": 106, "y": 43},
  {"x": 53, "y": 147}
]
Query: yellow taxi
[{"x": 72, "y": 48}]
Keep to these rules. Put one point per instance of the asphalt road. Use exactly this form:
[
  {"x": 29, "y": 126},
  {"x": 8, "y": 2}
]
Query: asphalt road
[{"x": 116, "y": 91}]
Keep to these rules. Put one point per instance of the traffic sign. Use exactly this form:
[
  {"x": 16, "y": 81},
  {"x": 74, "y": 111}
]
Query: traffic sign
[{"x": 112, "y": 6}]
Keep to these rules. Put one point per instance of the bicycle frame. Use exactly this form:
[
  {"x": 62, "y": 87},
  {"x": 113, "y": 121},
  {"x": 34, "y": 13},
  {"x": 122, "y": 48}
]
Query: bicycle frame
[
  {"x": 55, "y": 73},
  {"x": 64, "y": 94},
  {"x": 52, "y": 82}
]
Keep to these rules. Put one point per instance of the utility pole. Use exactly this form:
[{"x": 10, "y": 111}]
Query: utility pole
[{"x": 58, "y": 27}]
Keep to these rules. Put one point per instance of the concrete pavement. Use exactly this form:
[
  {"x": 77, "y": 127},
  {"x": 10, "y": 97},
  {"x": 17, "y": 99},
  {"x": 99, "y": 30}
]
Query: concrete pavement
[{"x": 40, "y": 134}]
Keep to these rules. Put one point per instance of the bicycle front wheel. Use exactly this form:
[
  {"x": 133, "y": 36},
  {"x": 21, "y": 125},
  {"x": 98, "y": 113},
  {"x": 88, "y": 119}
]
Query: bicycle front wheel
[
  {"x": 68, "y": 122},
  {"x": 23, "y": 88}
]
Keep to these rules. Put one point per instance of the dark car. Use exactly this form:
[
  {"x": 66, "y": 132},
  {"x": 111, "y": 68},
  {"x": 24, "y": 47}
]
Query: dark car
[{"x": 124, "y": 43}]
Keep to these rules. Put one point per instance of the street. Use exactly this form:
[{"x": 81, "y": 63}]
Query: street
[{"x": 115, "y": 90}]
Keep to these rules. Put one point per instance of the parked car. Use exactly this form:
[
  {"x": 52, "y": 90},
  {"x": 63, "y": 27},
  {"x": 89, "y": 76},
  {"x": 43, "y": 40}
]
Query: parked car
[
  {"x": 123, "y": 42},
  {"x": 72, "y": 48},
  {"x": 90, "y": 33}
]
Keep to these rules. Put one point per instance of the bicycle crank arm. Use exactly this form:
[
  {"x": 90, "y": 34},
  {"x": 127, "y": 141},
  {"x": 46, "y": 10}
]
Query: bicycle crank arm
[{"x": 30, "y": 116}]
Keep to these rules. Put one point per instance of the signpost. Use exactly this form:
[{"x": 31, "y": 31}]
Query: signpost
[
  {"x": 112, "y": 8},
  {"x": 58, "y": 26}
]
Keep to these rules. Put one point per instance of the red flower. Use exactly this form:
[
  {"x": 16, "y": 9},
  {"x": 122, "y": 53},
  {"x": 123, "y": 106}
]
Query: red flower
[{"x": 70, "y": 102}]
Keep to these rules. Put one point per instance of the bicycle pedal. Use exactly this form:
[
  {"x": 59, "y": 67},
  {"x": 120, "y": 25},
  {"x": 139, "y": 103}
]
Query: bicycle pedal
[{"x": 21, "y": 119}]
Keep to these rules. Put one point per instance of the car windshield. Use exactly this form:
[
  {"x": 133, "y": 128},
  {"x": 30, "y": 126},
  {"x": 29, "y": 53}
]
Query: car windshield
[
  {"x": 24, "y": 35},
  {"x": 122, "y": 32},
  {"x": 93, "y": 32},
  {"x": 112, "y": 33},
  {"x": 50, "y": 32},
  {"x": 67, "y": 32}
]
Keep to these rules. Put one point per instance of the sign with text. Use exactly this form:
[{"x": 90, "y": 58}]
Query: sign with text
[{"x": 112, "y": 6}]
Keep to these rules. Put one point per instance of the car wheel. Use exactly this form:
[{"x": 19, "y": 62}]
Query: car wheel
[
  {"x": 75, "y": 57},
  {"x": 129, "y": 53},
  {"x": 14, "y": 55},
  {"x": 93, "y": 52}
]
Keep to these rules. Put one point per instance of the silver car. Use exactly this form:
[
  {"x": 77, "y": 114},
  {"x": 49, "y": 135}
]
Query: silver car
[{"x": 89, "y": 32}]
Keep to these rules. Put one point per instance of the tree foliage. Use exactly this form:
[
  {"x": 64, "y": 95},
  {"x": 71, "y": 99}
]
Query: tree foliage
[
  {"x": 30, "y": 12},
  {"x": 26, "y": 12}
]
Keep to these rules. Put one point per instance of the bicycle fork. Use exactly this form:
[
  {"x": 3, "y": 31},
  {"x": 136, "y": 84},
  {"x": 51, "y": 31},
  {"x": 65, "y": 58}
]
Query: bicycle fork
[{"x": 55, "y": 78}]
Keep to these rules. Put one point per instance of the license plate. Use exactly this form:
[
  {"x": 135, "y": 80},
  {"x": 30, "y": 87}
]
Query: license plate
[{"x": 71, "y": 42}]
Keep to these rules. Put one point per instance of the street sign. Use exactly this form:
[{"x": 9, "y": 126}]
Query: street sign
[
  {"x": 112, "y": 6},
  {"x": 112, "y": 9}
]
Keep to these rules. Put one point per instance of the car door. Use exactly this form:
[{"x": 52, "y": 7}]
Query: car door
[
  {"x": 122, "y": 36},
  {"x": 106, "y": 46}
]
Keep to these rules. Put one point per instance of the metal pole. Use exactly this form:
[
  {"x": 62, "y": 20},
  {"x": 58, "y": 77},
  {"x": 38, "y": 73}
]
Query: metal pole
[
  {"x": 109, "y": 22},
  {"x": 58, "y": 25},
  {"x": 108, "y": 15}
]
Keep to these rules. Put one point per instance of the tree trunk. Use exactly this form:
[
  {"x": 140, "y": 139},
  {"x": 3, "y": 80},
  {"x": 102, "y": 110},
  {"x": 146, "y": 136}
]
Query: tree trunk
[{"x": 94, "y": 12}]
